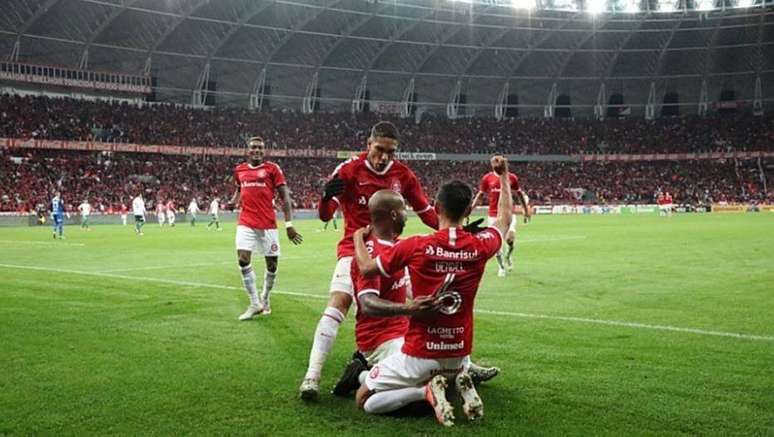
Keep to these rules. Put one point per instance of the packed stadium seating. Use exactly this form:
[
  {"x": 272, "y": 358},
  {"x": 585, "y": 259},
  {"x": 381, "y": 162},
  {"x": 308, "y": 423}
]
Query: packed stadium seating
[
  {"x": 55, "y": 118},
  {"x": 110, "y": 179}
]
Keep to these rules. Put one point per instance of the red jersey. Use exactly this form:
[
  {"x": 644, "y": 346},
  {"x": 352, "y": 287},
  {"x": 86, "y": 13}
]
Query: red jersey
[
  {"x": 668, "y": 199},
  {"x": 660, "y": 200},
  {"x": 123, "y": 209},
  {"x": 430, "y": 259},
  {"x": 360, "y": 182},
  {"x": 490, "y": 184},
  {"x": 170, "y": 206},
  {"x": 160, "y": 207},
  {"x": 257, "y": 186},
  {"x": 370, "y": 332}
]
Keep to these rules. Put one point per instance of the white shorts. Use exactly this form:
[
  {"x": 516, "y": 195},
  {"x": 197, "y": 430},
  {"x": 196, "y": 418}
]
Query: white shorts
[
  {"x": 383, "y": 351},
  {"x": 341, "y": 280},
  {"x": 491, "y": 220},
  {"x": 170, "y": 216},
  {"x": 261, "y": 241},
  {"x": 161, "y": 217},
  {"x": 400, "y": 370}
]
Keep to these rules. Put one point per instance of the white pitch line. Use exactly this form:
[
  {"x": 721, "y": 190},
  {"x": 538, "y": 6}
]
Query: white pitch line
[
  {"x": 541, "y": 240},
  {"x": 175, "y": 266},
  {"x": 56, "y": 243},
  {"x": 633, "y": 325}
]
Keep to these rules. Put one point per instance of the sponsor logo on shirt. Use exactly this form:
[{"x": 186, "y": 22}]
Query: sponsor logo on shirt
[
  {"x": 451, "y": 254},
  {"x": 443, "y": 346},
  {"x": 248, "y": 184}
]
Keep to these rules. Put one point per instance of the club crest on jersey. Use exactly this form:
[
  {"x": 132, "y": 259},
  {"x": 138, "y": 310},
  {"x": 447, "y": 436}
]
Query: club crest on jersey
[
  {"x": 395, "y": 185},
  {"x": 261, "y": 173}
]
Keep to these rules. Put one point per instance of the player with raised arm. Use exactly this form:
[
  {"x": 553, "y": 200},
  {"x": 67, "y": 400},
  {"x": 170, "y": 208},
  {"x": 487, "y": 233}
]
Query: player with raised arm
[
  {"x": 58, "y": 215},
  {"x": 490, "y": 185},
  {"x": 214, "y": 208},
  {"x": 85, "y": 209},
  {"x": 138, "y": 209},
  {"x": 448, "y": 265},
  {"x": 349, "y": 188},
  {"x": 257, "y": 180}
]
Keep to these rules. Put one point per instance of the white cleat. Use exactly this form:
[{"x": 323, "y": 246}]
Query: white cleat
[
  {"x": 501, "y": 272},
  {"x": 435, "y": 394},
  {"x": 310, "y": 389},
  {"x": 472, "y": 405},
  {"x": 252, "y": 311}
]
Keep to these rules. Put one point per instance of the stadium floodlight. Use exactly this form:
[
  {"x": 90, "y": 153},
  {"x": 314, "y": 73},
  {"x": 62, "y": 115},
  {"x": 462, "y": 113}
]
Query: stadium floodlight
[
  {"x": 630, "y": 6},
  {"x": 668, "y": 5},
  {"x": 564, "y": 5},
  {"x": 524, "y": 4},
  {"x": 596, "y": 6},
  {"x": 704, "y": 5}
]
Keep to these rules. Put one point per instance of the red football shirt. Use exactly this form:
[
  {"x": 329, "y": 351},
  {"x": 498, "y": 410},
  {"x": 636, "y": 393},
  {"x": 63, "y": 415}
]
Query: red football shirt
[
  {"x": 370, "y": 331},
  {"x": 170, "y": 206},
  {"x": 429, "y": 260},
  {"x": 490, "y": 184},
  {"x": 257, "y": 186},
  {"x": 360, "y": 182}
]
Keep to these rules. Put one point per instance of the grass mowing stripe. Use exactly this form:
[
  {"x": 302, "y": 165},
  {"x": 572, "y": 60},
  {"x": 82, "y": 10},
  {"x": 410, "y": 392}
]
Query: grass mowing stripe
[{"x": 634, "y": 325}]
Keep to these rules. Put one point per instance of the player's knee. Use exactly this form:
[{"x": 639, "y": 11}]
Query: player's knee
[
  {"x": 243, "y": 259},
  {"x": 341, "y": 301},
  {"x": 271, "y": 264}
]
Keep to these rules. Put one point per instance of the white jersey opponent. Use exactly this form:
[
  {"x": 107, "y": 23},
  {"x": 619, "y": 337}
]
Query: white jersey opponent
[
  {"x": 138, "y": 207},
  {"x": 85, "y": 209},
  {"x": 193, "y": 207},
  {"x": 214, "y": 207}
]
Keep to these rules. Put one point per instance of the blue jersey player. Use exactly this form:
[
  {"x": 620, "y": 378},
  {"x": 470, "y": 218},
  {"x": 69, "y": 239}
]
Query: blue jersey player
[{"x": 57, "y": 214}]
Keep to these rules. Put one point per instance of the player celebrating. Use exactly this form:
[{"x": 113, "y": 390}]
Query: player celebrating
[
  {"x": 214, "y": 207},
  {"x": 57, "y": 215},
  {"x": 171, "y": 213},
  {"x": 138, "y": 209},
  {"x": 490, "y": 185},
  {"x": 256, "y": 182},
  {"x": 351, "y": 185},
  {"x": 85, "y": 210},
  {"x": 193, "y": 209},
  {"x": 448, "y": 265}
]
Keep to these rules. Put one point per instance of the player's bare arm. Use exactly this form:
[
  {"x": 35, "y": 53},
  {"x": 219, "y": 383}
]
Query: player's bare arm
[
  {"x": 287, "y": 210},
  {"x": 524, "y": 205},
  {"x": 476, "y": 199},
  {"x": 505, "y": 203},
  {"x": 235, "y": 197},
  {"x": 375, "y": 306},
  {"x": 365, "y": 263}
]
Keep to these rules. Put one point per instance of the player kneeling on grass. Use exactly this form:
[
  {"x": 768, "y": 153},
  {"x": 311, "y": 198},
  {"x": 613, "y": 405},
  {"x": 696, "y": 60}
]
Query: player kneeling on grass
[
  {"x": 382, "y": 309},
  {"x": 256, "y": 182},
  {"x": 448, "y": 265}
]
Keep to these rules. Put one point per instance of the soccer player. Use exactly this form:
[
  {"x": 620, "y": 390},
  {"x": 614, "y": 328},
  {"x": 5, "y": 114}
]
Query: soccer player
[
  {"x": 193, "y": 209},
  {"x": 490, "y": 185},
  {"x": 161, "y": 212},
  {"x": 257, "y": 180},
  {"x": 382, "y": 310},
  {"x": 57, "y": 215},
  {"x": 85, "y": 210},
  {"x": 124, "y": 212},
  {"x": 138, "y": 209},
  {"x": 448, "y": 265},
  {"x": 214, "y": 207},
  {"x": 668, "y": 205},
  {"x": 349, "y": 188},
  {"x": 171, "y": 213}
]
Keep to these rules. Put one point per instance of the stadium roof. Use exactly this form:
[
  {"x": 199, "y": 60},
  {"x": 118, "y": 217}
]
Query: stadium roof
[{"x": 439, "y": 46}]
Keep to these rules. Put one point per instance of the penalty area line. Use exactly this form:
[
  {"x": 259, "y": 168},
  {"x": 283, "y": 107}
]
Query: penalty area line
[
  {"x": 44, "y": 243},
  {"x": 632, "y": 325}
]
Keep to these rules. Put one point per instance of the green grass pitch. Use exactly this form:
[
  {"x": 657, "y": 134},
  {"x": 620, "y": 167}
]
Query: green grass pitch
[{"x": 615, "y": 325}]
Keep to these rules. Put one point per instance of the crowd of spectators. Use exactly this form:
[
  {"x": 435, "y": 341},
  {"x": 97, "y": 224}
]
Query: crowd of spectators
[
  {"x": 29, "y": 178},
  {"x": 63, "y": 118}
]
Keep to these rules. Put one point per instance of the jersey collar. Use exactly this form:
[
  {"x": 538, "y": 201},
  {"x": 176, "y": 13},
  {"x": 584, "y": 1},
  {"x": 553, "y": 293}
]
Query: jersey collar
[{"x": 380, "y": 173}]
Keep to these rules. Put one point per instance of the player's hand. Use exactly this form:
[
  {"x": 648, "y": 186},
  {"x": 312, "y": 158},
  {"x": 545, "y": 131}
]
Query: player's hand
[
  {"x": 294, "y": 236},
  {"x": 474, "y": 227},
  {"x": 333, "y": 187},
  {"x": 499, "y": 164},
  {"x": 423, "y": 306},
  {"x": 362, "y": 232}
]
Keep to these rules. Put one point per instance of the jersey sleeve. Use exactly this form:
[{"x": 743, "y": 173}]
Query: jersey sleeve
[
  {"x": 236, "y": 177},
  {"x": 364, "y": 285},
  {"x": 514, "y": 182},
  {"x": 489, "y": 241},
  {"x": 396, "y": 257},
  {"x": 483, "y": 186},
  {"x": 278, "y": 178}
]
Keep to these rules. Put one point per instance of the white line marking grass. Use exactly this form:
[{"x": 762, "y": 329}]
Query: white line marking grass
[
  {"x": 633, "y": 325},
  {"x": 44, "y": 243}
]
